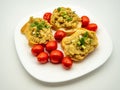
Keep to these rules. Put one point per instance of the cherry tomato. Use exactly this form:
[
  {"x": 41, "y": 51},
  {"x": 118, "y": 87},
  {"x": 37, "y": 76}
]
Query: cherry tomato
[
  {"x": 59, "y": 34},
  {"x": 56, "y": 56},
  {"x": 67, "y": 62},
  {"x": 47, "y": 16},
  {"x": 51, "y": 45},
  {"x": 92, "y": 27},
  {"x": 42, "y": 57},
  {"x": 36, "y": 49},
  {"x": 85, "y": 21},
  {"x": 43, "y": 45}
]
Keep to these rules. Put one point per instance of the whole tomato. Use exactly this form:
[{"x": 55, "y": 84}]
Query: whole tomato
[
  {"x": 42, "y": 57},
  {"x": 67, "y": 62},
  {"x": 47, "y": 16},
  {"x": 92, "y": 27},
  {"x": 85, "y": 21},
  {"x": 36, "y": 49},
  {"x": 59, "y": 34},
  {"x": 51, "y": 45},
  {"x": 56, "y": 56}
]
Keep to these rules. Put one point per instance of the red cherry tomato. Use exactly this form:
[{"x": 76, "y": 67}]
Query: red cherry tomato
[
  {"x": 47, "y": 16},
  {"x": 85, "y": 21},
  {"x": 56, "y": 56},
  {"x": 51, "y": 45},
  {"x": 67, "y": 62},
  {"x": 92, "y": 27},
  {"x": 59, "y": 34},
  {"x": 36, "y": 49},
  {"x": 42, "y": 57}
]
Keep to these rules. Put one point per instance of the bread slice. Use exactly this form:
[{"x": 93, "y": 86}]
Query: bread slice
[
  {"x": 65, "y": 19},
  {"x": 79, "y": 44},
  {"x": 37, "y": 31}
]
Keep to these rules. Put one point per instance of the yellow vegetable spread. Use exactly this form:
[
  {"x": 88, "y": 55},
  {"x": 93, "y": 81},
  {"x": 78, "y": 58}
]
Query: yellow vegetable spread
[
  {"x": 64, "y": 18},
  {"x": 79, "y": 44},
  {"x": 37, "y": 31}
]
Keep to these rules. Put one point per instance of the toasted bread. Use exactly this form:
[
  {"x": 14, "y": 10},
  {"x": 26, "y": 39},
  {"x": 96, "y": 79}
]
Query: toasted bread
[
  {"x": 79, "y": 44},
  {"x": 37, "y": 31},
  {"x": 66, "y": 19}
]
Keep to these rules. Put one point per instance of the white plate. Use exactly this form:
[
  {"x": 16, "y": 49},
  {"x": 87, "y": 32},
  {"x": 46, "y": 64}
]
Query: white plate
[{"x": 55, "y": 73}]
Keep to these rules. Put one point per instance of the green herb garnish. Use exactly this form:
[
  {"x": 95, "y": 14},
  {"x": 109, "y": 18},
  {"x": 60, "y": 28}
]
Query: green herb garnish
[
  {"x": 69, "y": 18},
  {"x": 82, "y": 40},
  {"x": 59, "y": 9},
  {"x": 40, "y": 25},
  {"x": 36, "y": 23},
  {"x": 66, "y": 16},
  {"x": 33, "y": 25},
  {"x": 85, "y": 34}
]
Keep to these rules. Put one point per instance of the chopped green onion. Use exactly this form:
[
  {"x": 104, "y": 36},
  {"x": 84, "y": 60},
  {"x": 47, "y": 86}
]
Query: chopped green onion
[
  {"x": 83, "y": 46},
  {"x": 90, "y": 41},
  {"x": 33, "y": 25},
  {"x": 39, "y": 25},
  {"x": 78, "y": 43},
  {"x": 47, "y": 26},
  {"x": 36, "y": 23},
  {"x": 64, "y": 14},
  {"x": 69, "y": 19},
  {"x": 59, "y": 9},
  {"x": 82, "y": 40},
  {"x": 85, "y": 34}
]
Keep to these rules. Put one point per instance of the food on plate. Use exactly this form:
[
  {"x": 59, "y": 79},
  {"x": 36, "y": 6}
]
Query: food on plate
[
  {"x": 85, "y": 21},
  {"x": 37, "y": 31},
  {"x": 65, "y": 19},
  {"x": 51, "y": 45},
  {"x": 79, "y": 44},
  {"x": 36, "y": 49},
  {"x": 86, "y": 24},
  {"x": 56, "y": 56},
  {"x": 67, "y": 62},
  {"x": 92, "y": 27},
  {"x": 42, "y": 57},
  {"x": 76, "y": 35},
  {"x": 59, "y": 35},
  {"x": 47, "y": 16}
]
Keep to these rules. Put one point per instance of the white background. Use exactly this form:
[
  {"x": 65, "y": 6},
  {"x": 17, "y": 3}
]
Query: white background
[{"x": 12, "y": 74}]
